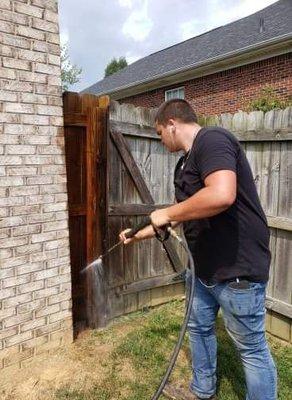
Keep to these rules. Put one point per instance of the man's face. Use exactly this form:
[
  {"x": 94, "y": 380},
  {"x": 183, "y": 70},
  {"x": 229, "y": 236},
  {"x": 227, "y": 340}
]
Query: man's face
[{"x": 167, "y": 135}]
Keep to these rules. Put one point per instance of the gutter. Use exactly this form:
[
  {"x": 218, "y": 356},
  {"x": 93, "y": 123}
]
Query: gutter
[{"x": 248, "y": 49}]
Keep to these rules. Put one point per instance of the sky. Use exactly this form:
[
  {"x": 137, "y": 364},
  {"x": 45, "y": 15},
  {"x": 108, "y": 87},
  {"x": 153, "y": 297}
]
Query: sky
[{"x": 98, "y": 30}]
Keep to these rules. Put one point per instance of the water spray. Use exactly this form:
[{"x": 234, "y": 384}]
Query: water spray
[{"x": 98, "y": 262}]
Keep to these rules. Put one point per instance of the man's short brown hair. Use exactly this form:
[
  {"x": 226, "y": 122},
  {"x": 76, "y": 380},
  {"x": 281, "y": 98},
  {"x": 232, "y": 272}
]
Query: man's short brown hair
[{"x": 178, "y": 109}]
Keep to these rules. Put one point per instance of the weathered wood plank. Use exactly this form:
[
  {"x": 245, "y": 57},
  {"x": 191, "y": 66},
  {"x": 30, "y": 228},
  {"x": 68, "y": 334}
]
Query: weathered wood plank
[
  {"x": 78, "y": 119},
  {"x": 123, "y": 149},
  {"x": 164, "y": 294},
  {"x": 75, "y": 141},
  {"x": 134, "y": 209},
  {"x": 156, "y": 179},
  {"x": 285, "y": 188},
  {"x": 115, "y": 195},
  {"x": 104, "y": 102},
  {"x": 142, "y": 157},
  {"x": 264, "y": 136},
  {"x": 254, "y": 156},
  {"x": 115, "y": 304},
  {"x": 273, "y": 243},
  {"x": 279, "y": 306},
  {"x": 135, "y": 130},
  {"x": 115, "y": 258},
  {"x": 72, "y": 102},
  {"x": 149, "y": 283},
  {"x": 77, "y": 210},
  {"x": 99, "y": 199},
  {"x": 283, "y": 270},
  {"x": 280, "y": 223},
  {"x": 270, "y": 177},
  {"x": 269, "y": 189}
]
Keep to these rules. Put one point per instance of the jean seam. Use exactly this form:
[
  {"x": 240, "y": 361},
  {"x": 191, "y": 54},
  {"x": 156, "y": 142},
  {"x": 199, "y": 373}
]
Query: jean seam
[{"x": 206, "y": 286}]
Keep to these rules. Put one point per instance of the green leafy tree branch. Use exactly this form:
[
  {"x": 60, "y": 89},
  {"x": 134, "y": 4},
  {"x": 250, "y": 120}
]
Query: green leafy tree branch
[
  {"x": 115, "y": 65},
  {"x": 70, "y": 74}
]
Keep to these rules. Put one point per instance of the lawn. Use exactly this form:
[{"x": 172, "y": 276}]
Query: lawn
[{"x": 127, "y": 360}]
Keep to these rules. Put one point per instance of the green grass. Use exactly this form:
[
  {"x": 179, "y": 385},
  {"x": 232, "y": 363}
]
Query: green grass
[{"x": 139, "y": 358}]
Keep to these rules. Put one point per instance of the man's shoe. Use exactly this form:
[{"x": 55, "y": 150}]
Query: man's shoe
[{"x": 179, "y": 392}]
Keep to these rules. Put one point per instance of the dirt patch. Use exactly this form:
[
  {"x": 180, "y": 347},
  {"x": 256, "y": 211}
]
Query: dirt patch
[{"x": 78, "y": 366}]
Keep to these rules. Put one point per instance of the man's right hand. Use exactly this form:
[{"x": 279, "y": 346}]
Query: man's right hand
[{"x": 145, "y": 233}]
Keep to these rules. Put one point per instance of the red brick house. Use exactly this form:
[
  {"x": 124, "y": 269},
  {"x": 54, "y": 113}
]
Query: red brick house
[{"x": 219, "y": 71}]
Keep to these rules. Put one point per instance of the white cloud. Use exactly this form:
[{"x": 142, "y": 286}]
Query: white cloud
[
  {"x": 218, "y": 14},
  {"x": 191, "y": 28},
  {"x": 130, "y": 57},
  {"x": 138, "y": 25},
  {"x": 64, "y": 36},
  {"x": 126, "y": 3}
]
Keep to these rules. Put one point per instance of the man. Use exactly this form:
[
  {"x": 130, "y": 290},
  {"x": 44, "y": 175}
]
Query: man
[{"x": 226, "y": 231}]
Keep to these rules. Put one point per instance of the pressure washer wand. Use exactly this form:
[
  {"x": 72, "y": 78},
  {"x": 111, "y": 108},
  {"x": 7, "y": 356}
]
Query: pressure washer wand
[{"x": 130, "y": 234}]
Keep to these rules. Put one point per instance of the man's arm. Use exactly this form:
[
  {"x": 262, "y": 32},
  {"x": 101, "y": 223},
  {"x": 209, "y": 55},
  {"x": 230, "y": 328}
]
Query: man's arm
[
  {"x": 146, "y": 233},
  {"x": 218, "y": 194}
]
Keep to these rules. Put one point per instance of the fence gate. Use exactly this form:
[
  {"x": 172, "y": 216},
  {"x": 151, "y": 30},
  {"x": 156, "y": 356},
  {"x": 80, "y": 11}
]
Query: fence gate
[
  {"x": 140, "y": 179},
  {"x": 85, "y": 120},
  {"x": 117, "y": 171}
]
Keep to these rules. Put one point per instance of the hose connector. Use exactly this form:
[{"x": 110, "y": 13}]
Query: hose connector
[{"x": 174, "y": 234}]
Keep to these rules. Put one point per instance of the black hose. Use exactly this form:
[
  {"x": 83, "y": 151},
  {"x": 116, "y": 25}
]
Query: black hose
[{"x": 183, "y": 327}]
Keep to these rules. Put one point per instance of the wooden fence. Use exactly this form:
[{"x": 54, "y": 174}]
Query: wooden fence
[
  {"x": 266, "y": 139},
  {"x": 136, "y": 176}
]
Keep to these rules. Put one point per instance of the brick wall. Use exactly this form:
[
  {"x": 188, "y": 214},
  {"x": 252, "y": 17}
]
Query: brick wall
[
  {"x": 35, "y": 291},
  {"x": 228, "y": 91}
]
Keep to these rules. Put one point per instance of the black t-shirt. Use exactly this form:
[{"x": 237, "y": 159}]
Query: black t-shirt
[{"x": 234, "y": 243}]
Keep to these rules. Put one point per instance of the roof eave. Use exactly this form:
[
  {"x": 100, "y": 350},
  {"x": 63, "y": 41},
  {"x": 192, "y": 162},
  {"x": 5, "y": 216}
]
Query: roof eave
[{"x": 247, "y": 55}]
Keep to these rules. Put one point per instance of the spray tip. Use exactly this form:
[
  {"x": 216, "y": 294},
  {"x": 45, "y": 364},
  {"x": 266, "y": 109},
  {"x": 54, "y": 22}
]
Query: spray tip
[
  {"x": 95, "y": 263},
  {"x": 99, "y": 261}
]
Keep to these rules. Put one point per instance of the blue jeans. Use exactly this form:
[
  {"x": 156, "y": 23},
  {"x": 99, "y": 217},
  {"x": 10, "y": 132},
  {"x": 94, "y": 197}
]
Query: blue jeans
[{"x": 244, "y": 318}]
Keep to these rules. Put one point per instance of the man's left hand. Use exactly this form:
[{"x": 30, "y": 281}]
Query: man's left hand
[{"x": 160, "y": 217}]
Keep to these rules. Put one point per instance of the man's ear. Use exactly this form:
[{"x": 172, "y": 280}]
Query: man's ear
[{"x": 172, "y": 125}]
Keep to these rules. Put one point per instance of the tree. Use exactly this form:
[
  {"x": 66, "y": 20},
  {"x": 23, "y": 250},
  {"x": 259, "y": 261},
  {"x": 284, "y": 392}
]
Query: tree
[
  {"x": 115, "y": 65},
  {"x": 70, "y": 74}
]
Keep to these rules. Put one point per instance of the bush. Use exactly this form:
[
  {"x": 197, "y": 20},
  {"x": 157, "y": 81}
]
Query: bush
[{"x": 268, "y": 100}]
